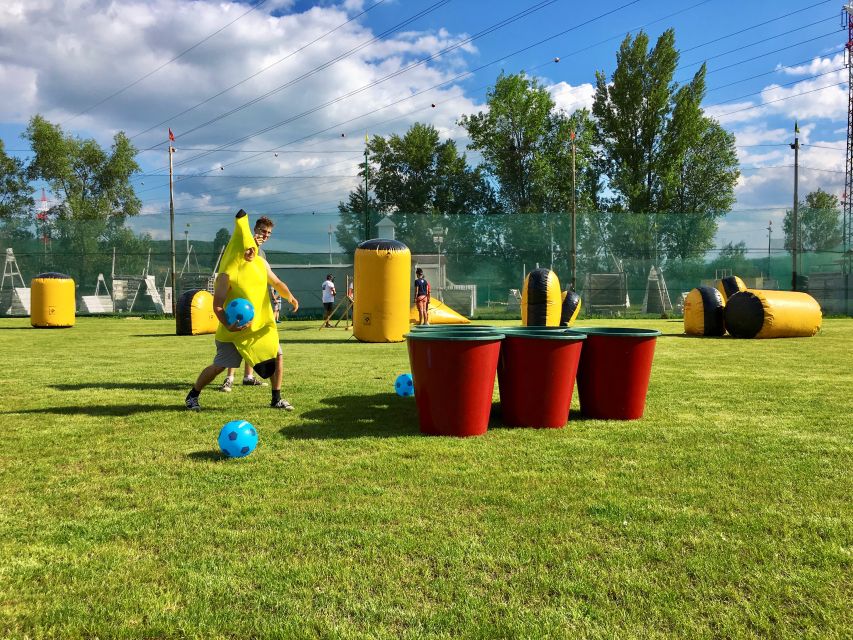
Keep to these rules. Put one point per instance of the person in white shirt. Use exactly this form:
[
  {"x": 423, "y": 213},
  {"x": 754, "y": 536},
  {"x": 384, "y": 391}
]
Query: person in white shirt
[{"x": 329, "y": 292}]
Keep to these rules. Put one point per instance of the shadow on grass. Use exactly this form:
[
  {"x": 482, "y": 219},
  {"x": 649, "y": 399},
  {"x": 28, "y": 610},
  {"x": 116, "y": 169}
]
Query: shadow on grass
[
  {"x": 116, "y": 410},
  {"x": 158, "y": 335},
  {"x": 382, "y": 415},
  {"x": 208, "y": 455},
  {"x": 130, "y": 386},
  {"x": 496, "y": 419}
]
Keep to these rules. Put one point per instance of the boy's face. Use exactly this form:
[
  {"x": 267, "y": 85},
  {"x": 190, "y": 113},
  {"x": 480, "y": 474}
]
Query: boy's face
[
  {"x": 249, "y": 254},
  {"x": 261, "y": 234}
]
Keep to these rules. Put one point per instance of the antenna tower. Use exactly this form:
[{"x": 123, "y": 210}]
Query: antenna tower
[{"x": 847, "y": 198}]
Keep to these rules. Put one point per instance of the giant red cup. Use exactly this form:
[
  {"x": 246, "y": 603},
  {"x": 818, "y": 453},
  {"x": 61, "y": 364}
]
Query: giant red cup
[
  {"x": 536, "y": 376},
  {"x": 454, "y": 377},
  {"x": 614, "y": 371}
]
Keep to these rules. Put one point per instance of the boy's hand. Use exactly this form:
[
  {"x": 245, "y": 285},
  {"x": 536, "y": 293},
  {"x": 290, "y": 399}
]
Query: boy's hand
[
  {"x": 237, "y": 328},
  {"x": 295, "y": 303}
]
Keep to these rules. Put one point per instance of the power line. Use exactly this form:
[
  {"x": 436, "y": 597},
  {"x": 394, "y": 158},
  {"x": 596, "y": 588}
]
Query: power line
[
  {"x": 181, "y": 54},
  {"x": 266, "y": 68},
  {"x": 796, "y": 95}
]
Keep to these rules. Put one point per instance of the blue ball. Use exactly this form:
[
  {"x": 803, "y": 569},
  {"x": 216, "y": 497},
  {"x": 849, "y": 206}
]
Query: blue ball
[
  {"x": 239, "y": 310},
  {"x": 404, "y": 386},
  {"x": 238, "y": 438}
]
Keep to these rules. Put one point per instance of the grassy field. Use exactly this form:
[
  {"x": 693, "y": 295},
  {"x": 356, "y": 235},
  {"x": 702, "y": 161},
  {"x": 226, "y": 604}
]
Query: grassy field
[{"x": 725, "y": 512}]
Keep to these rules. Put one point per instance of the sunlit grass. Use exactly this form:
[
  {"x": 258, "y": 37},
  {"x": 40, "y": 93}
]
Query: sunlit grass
[{"x": 725, "y": 512}]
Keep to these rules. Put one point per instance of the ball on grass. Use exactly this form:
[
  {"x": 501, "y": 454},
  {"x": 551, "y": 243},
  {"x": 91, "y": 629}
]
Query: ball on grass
[
  {"x": 404, "y": 386},
  {"x": 239, "y": 310},
  {"x": 238, "y": 438}
]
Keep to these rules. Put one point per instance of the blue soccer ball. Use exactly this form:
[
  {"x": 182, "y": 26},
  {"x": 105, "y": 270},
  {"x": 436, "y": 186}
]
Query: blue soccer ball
[
  {"x": 238, "y": 438},
  {"x": 404, "y": 386},
  {"x": 239, "y": 310}
]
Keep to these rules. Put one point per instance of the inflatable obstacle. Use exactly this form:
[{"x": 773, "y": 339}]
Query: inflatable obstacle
[
  {"x": 730, "y": 286},
  {"x": 757, "y": 313},
  {"x": 53, "y": 301},
  {"x": 570, "y": 309},
  {"x": 381, "y": 304},
  {"x": 541, "y": 299},
  {"x": 195, "y": 313},
  {"x": 703, "y": 312},
  {"x": 438, "y": 313}
]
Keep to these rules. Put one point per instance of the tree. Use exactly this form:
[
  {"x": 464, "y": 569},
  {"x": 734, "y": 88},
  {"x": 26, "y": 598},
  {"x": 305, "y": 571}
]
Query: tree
[
  {"x": 662, "y": 155},
  {"x": 223, "y": 236},
  {"x": 819, "y": 221},
  {"x": 93, "y": 186},
  {"x": 413, "y": 174},
  {"x": 525, "y": 143},
  {"x": 16, "y": 202}
]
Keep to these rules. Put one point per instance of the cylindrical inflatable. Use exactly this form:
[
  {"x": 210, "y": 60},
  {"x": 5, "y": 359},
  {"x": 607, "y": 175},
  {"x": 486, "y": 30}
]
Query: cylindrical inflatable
[
  {"x": 730, "y": 286},
  {"x": 381, "y": 301},
  {"x": 541, "y": 299},
  {"x": 759, "y": 313},
  {"x": 53, "y": 301},
  {"x": 703, "y": 312},
  {"x": 195, "y": 313},
  {"x": 571, "y": 308}
]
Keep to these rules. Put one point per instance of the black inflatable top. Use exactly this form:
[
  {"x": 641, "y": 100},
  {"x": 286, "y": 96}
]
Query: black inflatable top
[
  {"x": 378, "y": 244},
  {"x": 52, "y": 275}
]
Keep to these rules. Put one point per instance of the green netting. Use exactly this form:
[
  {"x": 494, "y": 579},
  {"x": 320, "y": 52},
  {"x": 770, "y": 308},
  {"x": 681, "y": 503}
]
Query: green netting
[{"x": 626, "y": 263}]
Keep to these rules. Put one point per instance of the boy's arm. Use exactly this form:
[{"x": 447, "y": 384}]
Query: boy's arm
[
  {"x": 279, "y": 286},
  {"x": 220, "y": 292}
]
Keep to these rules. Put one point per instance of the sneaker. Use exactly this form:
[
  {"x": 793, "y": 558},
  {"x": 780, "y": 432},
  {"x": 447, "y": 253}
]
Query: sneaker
[
  {"x": 192, "y": 403},
  {"x": 226, "y": 386},
  {"x": 282, "y": 404},
  {"x": 253, "y": 382}
]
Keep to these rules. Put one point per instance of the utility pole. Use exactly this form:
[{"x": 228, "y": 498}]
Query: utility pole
[
  {"x": 847, "y": 200},
  {"x": 172, "y": 222},
  {"x": 796, "y": 222},
  {"x": 769, "y": 233},
  {"x": 574, "y": 220},
  {"x": 330, "y": 244},
  {"x": 366, "y": 209}
]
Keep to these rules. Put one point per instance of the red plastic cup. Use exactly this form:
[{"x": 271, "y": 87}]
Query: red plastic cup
[
  {"x": 614, "y": 371},
  {"x": 454, "y": 376},
  {"x": 536, "y": 376}
]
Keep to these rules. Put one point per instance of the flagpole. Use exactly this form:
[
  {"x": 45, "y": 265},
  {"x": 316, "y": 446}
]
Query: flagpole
[{"x": 172, "y": 222}]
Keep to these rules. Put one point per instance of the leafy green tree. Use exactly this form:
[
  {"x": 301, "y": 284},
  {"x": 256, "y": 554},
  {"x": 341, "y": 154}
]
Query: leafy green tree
[
  {"x": 16, "y": 202},
  {"x": 220, "y": 240},
  {"x": 93, "y": 186},
  {"x": 409, "y": 176},
  {"x": 819, "y": 218},
  {"x": 661, "y": 154}
]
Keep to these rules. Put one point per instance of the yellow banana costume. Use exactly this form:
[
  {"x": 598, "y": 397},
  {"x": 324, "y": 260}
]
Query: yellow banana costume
[{"x": 258, "y": 344}]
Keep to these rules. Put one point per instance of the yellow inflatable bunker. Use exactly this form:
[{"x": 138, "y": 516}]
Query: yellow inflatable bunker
[
  {"x": 195, "y": 313},
  {"x": 258, "y": 344},
  {"x": 541, "y": 299},
  {"x": 730, "y": 286},
  {"x": 703, "y": 312},
  {"x": 381, "y": 303},
  {"x": 53, "y": 301},
  {"x": 438, "y": 313},
  {"x": 758, "y": 313},
  {"x": 571, "y": 308}
]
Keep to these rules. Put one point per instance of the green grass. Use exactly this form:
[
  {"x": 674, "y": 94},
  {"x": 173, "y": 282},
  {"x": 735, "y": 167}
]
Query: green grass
[{"x": 725, "y": 512}]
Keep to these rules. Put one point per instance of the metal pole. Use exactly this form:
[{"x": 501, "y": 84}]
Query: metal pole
[
  {"x": 795, "y": 221},
  {"x": 172, "y": 228},
  {"x": 366, "y": 210},
  {"x": 574, "y": 220},
  {"x": 330, "y": 244},
  {"x": 769, "y": 233}
]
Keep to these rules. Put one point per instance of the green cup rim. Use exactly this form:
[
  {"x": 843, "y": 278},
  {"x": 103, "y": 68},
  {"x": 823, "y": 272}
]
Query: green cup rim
[
  {"x": 456, "y": 336},
  {"x": 537, "y": 333},
  {"x": 619, "y": 332}
]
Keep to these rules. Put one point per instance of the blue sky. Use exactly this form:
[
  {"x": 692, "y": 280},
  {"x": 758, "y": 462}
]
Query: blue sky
[{"x": 98, "y": 67}]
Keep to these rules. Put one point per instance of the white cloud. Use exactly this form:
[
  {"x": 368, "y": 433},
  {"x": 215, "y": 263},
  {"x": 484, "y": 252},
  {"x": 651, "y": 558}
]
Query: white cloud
[
  {"x": 570, "y": 98},
  {"x": 816, "y": 66}
]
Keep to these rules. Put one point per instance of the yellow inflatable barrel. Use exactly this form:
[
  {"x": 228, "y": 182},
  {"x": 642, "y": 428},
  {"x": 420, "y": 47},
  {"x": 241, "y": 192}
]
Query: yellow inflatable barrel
[
  {"x": 541, "y": 299},
  {"x": 703, "y": 312},
  {"x": 195, "y": 313},
  {"x": 381, "y": 301},
  {"x": 53, "y": 301},
  {"x": 758, "y": 313},
  {"x": 571, "y": 308},
  {"x": 730, "y": 286}
]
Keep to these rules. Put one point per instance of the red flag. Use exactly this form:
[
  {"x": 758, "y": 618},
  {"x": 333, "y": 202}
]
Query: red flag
[
  {"x": 573, "y": 135},
  {"x": 171, "y": 135}
]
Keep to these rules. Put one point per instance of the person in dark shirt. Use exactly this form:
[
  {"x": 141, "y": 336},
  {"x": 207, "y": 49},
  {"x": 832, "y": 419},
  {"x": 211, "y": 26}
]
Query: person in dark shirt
[{"x": 422, "y": 296}]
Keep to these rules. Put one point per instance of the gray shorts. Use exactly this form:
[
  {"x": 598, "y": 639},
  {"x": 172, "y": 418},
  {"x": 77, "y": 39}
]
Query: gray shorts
[{"x": 227, "y": 355}]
